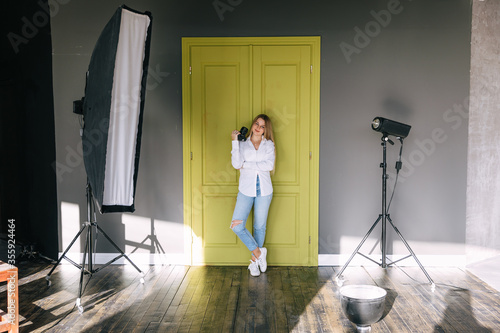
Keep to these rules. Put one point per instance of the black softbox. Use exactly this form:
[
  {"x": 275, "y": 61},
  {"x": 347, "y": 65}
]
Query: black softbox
[{"x": 113, "y": 109}]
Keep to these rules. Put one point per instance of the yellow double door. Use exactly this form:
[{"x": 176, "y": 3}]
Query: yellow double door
[{"x": 226, "y": 83}]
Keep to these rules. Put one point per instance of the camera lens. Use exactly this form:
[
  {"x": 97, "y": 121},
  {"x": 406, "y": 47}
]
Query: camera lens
[{"x": 243, "y": 133}]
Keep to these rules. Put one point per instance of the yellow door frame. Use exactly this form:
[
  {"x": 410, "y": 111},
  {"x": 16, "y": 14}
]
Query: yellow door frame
[{"x": 315, "y": 43}]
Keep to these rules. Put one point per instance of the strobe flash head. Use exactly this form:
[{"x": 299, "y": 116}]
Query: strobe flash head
[{"x": 390, "y": 127}]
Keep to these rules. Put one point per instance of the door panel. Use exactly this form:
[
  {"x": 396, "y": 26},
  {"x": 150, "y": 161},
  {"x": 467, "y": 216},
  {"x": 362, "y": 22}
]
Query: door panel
[
  {"x": 220, "y": 94},
  {"x": 284, "y": 214},
  {"x": 282, "y": 84},
  {"x": 230, "y": 83},
  {"x": 278, "y": 96}
]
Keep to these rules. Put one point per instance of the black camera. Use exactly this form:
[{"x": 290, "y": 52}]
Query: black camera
[{"x": 243, "y": 133}]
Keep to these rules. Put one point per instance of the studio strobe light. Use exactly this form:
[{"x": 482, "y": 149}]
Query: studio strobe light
[
  {"x": 112, "y": 112},
  {"x": 390, "y": 127},
  {"x": 386, "y": 127}
]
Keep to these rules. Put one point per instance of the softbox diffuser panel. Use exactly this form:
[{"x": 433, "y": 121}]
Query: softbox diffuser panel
[{"x": 113, "y": 109}]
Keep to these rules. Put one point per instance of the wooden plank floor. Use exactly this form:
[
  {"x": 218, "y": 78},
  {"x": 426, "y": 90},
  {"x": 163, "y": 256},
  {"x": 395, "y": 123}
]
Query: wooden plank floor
[{"x": 228, "y": 299}]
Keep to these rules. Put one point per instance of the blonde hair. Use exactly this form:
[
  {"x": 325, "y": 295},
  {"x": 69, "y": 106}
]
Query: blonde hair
[{"x": 268, "y": 133}]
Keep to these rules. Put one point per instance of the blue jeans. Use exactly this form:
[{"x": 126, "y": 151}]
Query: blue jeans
[{"x": 242, "y": 210}]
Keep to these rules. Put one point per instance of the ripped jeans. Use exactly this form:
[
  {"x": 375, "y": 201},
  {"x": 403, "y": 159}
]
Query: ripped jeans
[{"x": 242, "y": 210}]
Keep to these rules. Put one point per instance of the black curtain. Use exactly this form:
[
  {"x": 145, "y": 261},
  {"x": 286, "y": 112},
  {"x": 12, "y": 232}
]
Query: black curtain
[{"x": 27, "y": 134}]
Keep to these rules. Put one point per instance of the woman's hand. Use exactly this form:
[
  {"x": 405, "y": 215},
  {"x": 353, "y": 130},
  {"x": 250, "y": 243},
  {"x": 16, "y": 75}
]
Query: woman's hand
[{"x": 234, "y": 135}]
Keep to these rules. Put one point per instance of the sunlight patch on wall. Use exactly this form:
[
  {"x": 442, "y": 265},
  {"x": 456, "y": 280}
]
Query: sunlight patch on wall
[
  {"x": 70, "y": 226},
  {"x": 428, "y": 253},
  {"x": 429, "y": 248},
  {"x": 477, "y": 253},
  {"x": 153, "y": 241},
  {"x": 372, "y": 246},
  {"x": 137, "y": 233},
  {"x": 170, "y": 235}
]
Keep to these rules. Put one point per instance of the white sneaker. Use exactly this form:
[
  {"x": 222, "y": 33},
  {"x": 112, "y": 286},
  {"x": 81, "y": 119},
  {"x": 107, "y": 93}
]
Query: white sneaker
[
  {"x": 254, "y": 268},
  {"x": 262, "y": 259}
]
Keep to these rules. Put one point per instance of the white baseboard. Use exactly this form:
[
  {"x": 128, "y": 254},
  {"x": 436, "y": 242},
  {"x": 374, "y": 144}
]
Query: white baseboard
[
  {"x": 425, "y": 260},
  {"x": 140, "y": 259}
]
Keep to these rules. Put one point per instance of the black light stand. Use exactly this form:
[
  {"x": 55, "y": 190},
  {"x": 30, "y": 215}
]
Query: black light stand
[
  {"x": 87, "y": 267},
  {"x": 384, "y": 217}
]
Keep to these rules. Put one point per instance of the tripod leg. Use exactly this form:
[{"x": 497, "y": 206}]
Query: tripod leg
[
  {"x": 63, "y": 255},
  {"x": 412, "y": 253},
  {"x": 119, "y": 250},
  {"x": 82, "y": 272},
  {"x": 337, "y": 277}
]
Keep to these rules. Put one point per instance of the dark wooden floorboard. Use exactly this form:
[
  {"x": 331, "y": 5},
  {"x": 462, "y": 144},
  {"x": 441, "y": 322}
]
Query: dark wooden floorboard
[
  {"x": 232, "y": 301},
  {"x": 96, "y": 292},
  {"x": 398, "y": 317},
  {"x": 228, "y": 299}
]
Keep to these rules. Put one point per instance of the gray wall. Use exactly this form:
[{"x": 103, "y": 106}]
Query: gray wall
[
  {"x": 412, "y": 67},
  {"x": 483, "y": 190}
]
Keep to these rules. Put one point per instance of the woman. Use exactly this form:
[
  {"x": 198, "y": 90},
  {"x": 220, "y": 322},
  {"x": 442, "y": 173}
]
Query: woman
[{"x": 255, "y": 159}]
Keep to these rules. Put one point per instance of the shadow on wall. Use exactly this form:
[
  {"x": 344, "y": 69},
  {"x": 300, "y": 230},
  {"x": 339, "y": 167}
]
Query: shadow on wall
[
  {"x": 144, "y": 239},
  {"x": 150, "y": 237}
]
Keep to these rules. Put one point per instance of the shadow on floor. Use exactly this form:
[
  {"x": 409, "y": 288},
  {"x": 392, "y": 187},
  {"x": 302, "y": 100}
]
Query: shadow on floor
[{"x": 459, "y": 313}]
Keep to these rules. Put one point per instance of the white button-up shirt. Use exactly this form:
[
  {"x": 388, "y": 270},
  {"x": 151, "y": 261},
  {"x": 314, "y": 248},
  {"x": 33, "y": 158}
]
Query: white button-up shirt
[{"x": 252, "y": 163}]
